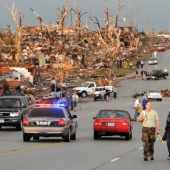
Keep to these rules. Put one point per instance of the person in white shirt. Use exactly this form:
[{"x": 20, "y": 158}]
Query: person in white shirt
[
  {"x": 136, "y": 105},
  {"x": 75, "y": 99},
  {"x": 165, "y": 69}
]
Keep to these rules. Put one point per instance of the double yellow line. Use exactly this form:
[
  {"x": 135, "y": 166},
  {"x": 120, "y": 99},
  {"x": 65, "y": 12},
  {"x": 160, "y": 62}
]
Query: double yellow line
[
  {"x": 157, "y": 84},
  {"x": 34, "y": 148}
]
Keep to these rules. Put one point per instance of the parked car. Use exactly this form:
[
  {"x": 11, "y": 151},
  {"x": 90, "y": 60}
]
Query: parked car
[
  {"x": 161, "y": 48},
  {"x": 157, "y": 74},
  {"x": 87, "y": 88},
  {"x": 110, "y": 122},
  {"x": 13, "y": 109},
  {"x": 154, "y": 95},
  {"x": 49, "y": 121},
  {"x": 152, "y": 60}
]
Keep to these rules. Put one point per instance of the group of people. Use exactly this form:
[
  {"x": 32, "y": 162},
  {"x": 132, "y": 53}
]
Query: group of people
[
  {"x": 105, "y": 93},
  {"x": 72, "y": 100},
  {"x": 143, "y": 73},
  {"x": 150, "y": 119}
]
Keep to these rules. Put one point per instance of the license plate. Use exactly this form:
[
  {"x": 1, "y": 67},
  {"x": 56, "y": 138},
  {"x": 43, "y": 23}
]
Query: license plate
[
  {"x": 110, "y": 124},
  {"x": 1, "y": 121},
  {"x": 43, "y": 123}
]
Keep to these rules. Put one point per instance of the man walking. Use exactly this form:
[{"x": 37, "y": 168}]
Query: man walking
[
  {"x": 114, "y": 92},
  {"x": 136, "y": 106},
  {"x": 69, "y": 99},
  {"x": 142, "y": 63},
  {"x": 149, "y": 117}
]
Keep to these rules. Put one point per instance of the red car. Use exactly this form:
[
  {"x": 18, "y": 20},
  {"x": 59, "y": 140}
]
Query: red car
[
  {"x": 161, "y": 48},
  {"x": 110, "y": 122}
]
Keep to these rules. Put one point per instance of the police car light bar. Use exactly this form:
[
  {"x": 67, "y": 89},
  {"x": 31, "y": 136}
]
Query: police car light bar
[{"x": 54, "y": 105}]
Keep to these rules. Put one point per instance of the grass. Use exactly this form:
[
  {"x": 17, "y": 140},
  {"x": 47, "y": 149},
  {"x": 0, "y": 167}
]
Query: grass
[{"x": 122, "y": 72}]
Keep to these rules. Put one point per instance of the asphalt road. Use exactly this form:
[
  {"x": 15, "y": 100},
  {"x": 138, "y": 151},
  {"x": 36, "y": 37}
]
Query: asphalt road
[{"x": 107, "y": 153}]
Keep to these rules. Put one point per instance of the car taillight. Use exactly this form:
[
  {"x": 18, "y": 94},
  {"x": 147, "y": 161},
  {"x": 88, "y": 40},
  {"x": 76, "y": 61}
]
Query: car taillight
[
  {"x": 125, "y": 124},
  {"x": 26, "y": 122},
  {"x": 61, "y": 122},
  {"x": 97, "y": 123}
]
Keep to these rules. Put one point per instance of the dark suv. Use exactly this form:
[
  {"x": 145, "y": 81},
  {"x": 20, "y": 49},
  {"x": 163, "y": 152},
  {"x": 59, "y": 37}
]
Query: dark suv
[{"x": 13, "y": 109}]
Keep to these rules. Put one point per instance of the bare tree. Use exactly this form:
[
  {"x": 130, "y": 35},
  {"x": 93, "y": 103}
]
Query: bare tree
[
  {"x": 78, "y": 23},
  {"x": 40, "y": 19},
  {"x": 19, "y": 31},
  {"x": 120, "y": 6}
]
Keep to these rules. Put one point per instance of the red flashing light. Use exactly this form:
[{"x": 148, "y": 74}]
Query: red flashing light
[
  {"x": 61, "y": 122},
  {"x": 26, "y": 122}
]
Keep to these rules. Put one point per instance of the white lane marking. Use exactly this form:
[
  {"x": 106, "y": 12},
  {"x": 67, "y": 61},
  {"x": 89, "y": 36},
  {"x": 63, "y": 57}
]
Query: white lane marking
[
  {"x": 134, "y": 86},
  {"x": 128, "y": 91},
  {"x": 140, "y": 148},
  {"x": 157, "y": 139},
  {"x": 113, "y": 160}
]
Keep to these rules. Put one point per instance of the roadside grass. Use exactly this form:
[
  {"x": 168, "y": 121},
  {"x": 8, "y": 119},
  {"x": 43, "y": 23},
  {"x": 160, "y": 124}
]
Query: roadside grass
[{"x": 122, "y": 72}]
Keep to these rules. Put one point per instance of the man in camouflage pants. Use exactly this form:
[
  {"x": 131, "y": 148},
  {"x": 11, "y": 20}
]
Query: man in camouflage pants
[{"x": 149, "y": 117}]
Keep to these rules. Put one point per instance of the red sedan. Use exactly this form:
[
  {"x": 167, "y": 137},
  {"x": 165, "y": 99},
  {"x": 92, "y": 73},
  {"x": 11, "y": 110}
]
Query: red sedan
[
  {"x": 161, "y": 48},
  {"x": 110, "y": 122}
]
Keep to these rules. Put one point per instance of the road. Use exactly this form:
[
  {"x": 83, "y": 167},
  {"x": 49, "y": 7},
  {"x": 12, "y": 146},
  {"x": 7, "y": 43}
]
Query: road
[{"x": 107, "y": 153}]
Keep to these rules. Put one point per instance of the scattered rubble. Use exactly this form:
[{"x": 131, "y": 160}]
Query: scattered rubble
[
  {"x": 34, "y": 55},
  {"x": 165, "y": 92}
]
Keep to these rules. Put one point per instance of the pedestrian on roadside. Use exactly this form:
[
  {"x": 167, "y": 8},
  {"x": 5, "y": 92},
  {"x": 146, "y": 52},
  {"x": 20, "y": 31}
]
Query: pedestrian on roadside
[
  {"x": 52, "y": 87},
  {"x": 115, "y": 92},
  {"x": 102, "y": 93},
  {"x": 141, "y": 73},
  {"x": 136, "y": 74},
  {"x": 69, "y": 100},
  {"x": 144, "y": 101},
  {"x": 149, "y": 117},
  {"x": 75, "y": 99},
  {"x": 107, "y": 94},
  {"x": 142, "y": 63},
  {"x": 131, "y": 64},
  {"x": 165, "y": 69},
  {"x": 120, "y": 64},
  {"x": 167, "y": 134},
  {"x": 136, "y": 106}
]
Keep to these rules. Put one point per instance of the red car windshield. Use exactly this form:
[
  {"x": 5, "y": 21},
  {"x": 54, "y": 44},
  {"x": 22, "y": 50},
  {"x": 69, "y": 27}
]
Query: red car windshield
[{"x": 112, "y": 114}]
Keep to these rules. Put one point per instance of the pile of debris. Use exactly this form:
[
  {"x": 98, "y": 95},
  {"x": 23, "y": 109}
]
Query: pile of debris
[{"x": 165, "y": 92}]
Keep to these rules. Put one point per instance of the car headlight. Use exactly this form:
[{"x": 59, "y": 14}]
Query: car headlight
[{"x": 14, "y": 114}]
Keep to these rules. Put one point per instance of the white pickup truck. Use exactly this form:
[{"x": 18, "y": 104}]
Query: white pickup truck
[{"x": 88, "y": 88}]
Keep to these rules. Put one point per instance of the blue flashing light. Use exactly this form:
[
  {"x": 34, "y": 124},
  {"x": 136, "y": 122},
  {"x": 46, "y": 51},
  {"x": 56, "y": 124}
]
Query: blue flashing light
[{"x": 59, "y": 105}]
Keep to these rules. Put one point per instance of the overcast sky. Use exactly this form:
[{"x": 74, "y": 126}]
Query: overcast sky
[{"x": 157, "y": 10}]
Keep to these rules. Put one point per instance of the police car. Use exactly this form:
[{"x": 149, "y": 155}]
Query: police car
[{"x": 49, "y": 120}]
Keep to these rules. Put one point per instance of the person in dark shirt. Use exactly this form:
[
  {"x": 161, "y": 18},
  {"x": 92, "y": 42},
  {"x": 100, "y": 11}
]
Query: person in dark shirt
[
  {"x": 107, "y": 94},
  {"x": 19, "y": 92},
  {"x": 69, "y": 100},
  {"x": 52, "y": 88}
]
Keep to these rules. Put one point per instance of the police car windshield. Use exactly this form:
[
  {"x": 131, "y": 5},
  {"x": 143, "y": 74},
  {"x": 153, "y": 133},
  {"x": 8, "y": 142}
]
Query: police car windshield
[{"x": 47, "y": 112}]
